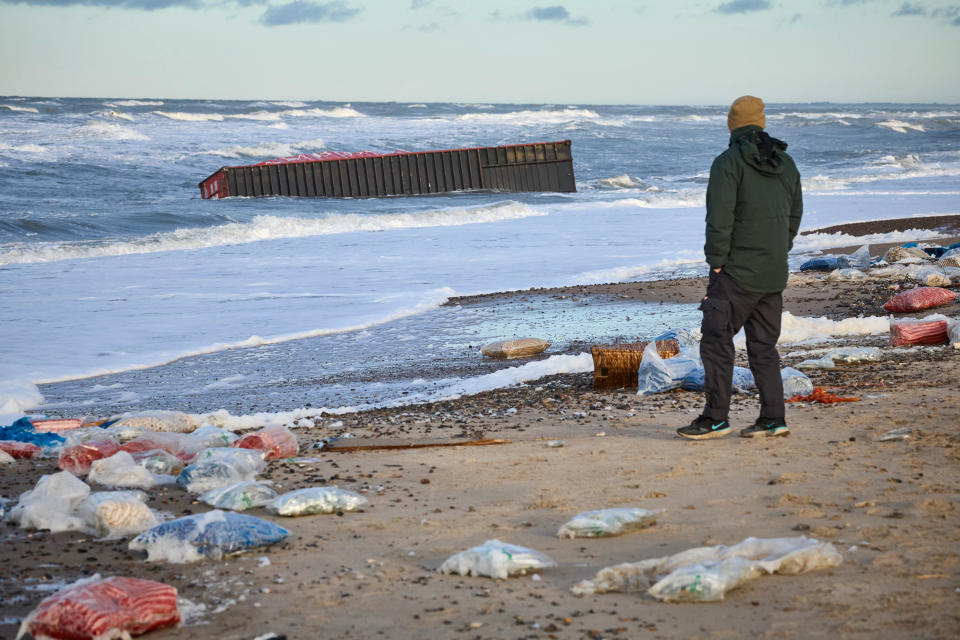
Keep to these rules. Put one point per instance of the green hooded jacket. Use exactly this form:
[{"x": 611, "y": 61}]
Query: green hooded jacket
[{"x": 754, "y": 206}]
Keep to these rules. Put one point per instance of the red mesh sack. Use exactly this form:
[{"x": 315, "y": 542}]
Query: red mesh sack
[
  {"x": 104, "y": 609},
  {"x": 278, "y": 442},
  {"x": 77, "y": 459},
  {"x": 169, "y": 442},
  {"x": 910, "y": 331},
  {"x": 20, "y": 449},
  {"x": 919, "y": 298}
]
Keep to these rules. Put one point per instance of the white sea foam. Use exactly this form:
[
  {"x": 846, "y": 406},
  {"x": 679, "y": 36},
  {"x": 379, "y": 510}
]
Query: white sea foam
[
  {"x": 900, "y": 126},
  {"x": 819, "y": 241},
  {"x": 531, "y": 117},
  {"x": 107, "y": 131},
  {"x": 624, "y": 181},
  {"x": 17, "y": 397},
  {"x": 416, "y": 106},
  {"x": 134, "y": 103},
  {"x": 684, "y": 199},
  {"x": 191, "y": 117},
  {"x": 119, "y": 115},
  {"x": 268, "y": 116},
  {"x": 293, "y": 104},
  {"x": 13, "y": 107},
  {"x": 263, "y": 228},
  {"x": 686, "y": 259}
]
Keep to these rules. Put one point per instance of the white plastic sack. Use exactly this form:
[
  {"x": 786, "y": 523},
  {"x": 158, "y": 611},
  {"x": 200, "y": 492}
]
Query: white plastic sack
[
  {"x": 121, "y": 470},
  {"x": 5, "y": 458},
  {"x": 657, "y": 374},
  {"x": 846, "y": 275},
  {"x": 52, "y": 504},
  {"x": 116, "y": 513},
  {"x": 219, "y": 467},
  {"x": 175, "y": 421},
  {"x": 496, "y": 559},
  {"x": 608, "y": 522},
  {"x": 859, "y": 259},
  {"x": 239, "y": 496},
  {"x": 706, "y": 574},
  {"x": 843, "y": 355},
  {"x": 953, "y": 333},
  {"x": 313, "y": 500},
  {"x": 795, "y": 383},
  {"x": 159, "y": 462},
  {"x": 206, "y": 437}
]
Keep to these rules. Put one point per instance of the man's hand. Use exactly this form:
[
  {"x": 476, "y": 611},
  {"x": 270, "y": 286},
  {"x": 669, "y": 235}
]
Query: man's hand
[{"x": 717, "y": 270}]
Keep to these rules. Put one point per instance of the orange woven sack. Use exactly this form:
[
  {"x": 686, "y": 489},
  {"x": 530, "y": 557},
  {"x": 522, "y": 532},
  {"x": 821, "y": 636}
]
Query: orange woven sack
[{"x": 919, "y": 298}]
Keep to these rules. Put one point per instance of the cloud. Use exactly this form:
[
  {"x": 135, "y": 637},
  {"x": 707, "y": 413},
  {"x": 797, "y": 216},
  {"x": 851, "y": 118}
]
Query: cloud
[
  {"x": 304, "y": 11},
  {"x": 140, "y": 5},
  {"x": 950, "y": 14},
  {"x": 909, "y": 9},
  {"x": 553, "y": 13},
  {"x": 743, "y": 6}
]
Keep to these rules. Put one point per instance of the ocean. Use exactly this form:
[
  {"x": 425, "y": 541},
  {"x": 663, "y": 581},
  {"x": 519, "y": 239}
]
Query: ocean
[{"x": 123, "y": 288}]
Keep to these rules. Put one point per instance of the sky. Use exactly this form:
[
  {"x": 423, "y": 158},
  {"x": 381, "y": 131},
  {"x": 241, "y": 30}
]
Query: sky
[{"x": 505, "y": 51}]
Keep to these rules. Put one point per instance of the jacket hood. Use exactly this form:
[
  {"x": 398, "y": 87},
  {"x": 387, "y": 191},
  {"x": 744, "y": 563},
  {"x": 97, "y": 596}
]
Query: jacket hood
[{"x": 759, "y": 150}]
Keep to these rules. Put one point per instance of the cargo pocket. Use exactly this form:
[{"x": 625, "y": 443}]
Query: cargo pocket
[{"x": 716, "y": 317}]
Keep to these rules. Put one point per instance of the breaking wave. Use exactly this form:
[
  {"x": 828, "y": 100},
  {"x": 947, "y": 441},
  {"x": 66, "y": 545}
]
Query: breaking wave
[
  {"x": 15, "y": 108},
  {"x": 560, "y": 116},
  {"x": 134, "y": 103},
  {"x": 262, "y": 228},
  {"x": 108, "y": 131},
  {"x": 268, "y": 149}
]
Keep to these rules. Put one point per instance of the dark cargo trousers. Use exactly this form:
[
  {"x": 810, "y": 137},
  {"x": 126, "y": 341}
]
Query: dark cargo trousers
[{"x": 726, "y": 308}]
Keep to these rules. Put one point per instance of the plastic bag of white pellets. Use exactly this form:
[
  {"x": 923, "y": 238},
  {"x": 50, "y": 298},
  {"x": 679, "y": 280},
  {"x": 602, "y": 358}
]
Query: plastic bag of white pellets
[
  {"x": 496, "y": 559},
  {"x": 314, "y": 500},
  {"x": 239, "y": 496},
  {"x": 121, "y": 470},
  {"x": 608, "y": 522},
  {"x": 116, "y": 513}
]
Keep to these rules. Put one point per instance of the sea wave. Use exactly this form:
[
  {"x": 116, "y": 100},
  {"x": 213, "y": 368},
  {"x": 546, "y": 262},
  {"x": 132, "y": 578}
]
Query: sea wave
[
  {"x": 191, "y": 117},
  {"x": 684, "y": 259},
  {"x": 267, "y": 149},
  {"x": 107, "y": 131},
  {"x": 262, "y": 228},
  {"x": 819, "y": 241},
  {"x": 269, "y": 116},
  {"x": 16, "y": 108},
  {"x": 900, "y": 126},
  {"x": 909, "y": 172},
  {"x": 134, "y": 103},
  {"x": 23, "y": 148},
  {"x": 345, "y": 111},
  {"x": 556, "y": 116}
]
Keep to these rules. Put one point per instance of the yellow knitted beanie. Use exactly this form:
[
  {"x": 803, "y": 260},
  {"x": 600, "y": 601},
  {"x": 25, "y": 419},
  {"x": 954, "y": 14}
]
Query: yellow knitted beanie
[{"x": 746, "y": 110}]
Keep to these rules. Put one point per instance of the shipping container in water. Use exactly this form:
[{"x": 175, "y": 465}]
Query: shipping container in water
[{"x": 539, "y": 166}]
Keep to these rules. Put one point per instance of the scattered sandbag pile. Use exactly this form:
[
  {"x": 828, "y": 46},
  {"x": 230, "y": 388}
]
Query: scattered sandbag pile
[
  {"x": 608, "y": 522},
  {"x": 919, "y": 299},
  {"x": 98, "y": 608},
  {"x": 496, "y": 559},
  {"x": 706, "y": 574},
  {"x": 516, "y": 348}
]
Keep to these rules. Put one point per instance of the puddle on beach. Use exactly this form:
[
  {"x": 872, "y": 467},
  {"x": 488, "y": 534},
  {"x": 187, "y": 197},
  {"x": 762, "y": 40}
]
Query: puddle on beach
[{"x": 380, "y": 365}]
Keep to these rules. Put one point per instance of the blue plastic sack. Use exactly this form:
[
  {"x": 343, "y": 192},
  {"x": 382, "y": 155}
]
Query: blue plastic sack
[
  {"x": 657, "y": 374},
  {"x": 823, "y": 263},
  {"x": 213, "y": 535},
  {"x": 742, "y": 380},
  {"x": 23, "y": 431}
]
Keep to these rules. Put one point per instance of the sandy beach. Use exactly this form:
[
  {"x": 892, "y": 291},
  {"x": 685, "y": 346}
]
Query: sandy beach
[{"x": 889, "y": 507}]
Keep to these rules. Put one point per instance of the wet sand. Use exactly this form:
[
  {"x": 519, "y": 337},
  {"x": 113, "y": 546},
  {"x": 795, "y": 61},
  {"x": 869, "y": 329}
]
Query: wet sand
[{"x": 891, "y": 508}]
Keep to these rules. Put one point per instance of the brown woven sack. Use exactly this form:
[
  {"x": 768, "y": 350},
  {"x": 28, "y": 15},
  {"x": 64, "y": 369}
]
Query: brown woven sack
[
  {"x": 615, "y": 366},
  {"x": 516, "y": 348}
]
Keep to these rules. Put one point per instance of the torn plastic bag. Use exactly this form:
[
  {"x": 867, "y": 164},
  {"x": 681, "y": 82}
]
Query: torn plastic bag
[
  {"x": 742, "y": 380},
  {"x": 16, "y": 449},
  {"x": 219, "y": 467},
  {"x": 919, "y": 298},
  {"x": 705, "y": 574},
  {"x": 275, "y": 442},
  {"x": 52, "y": 504},
  {"x": 116, "y": 513},
  {"x": 921, "y": 331},
  {"x": 175, "y": 421},
  {"x": 239, "y": 496},
  {"x": 686, "y": 338},
  {"x": 608, "y": 522},
  {"x": 842, "y": 355},
  {"x": 78, "y": 458},
  {"x": 206, "y": 437},
  {"x": 657, "y": 374},
  {"x": 98, "y": 608},
  {"x": 314, "y": 500},
  {"x": 121, "y": 470},
  {"x": 795, "y": 383},
  {"x": 496, "y": 559},
  {"x": 213, "y": 535},
  {"x": 846, "y": 275}
]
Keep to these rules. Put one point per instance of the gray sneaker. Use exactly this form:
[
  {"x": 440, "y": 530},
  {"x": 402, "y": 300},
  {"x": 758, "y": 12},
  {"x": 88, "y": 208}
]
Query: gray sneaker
[
  {"x": 704, "y": 428},
  {"x": 766, "y": 427}
]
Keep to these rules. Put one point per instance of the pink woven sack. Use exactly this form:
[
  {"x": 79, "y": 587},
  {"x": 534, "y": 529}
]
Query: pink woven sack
[
  {"x": 19, "y": 449},
  {"x": 77, "y": 459},
  {"x": 277, "y": 442},
  {"x": 911, "y": 331},
  {"x": 95, "y": 608},
  {"x": 919, "y": 298}
]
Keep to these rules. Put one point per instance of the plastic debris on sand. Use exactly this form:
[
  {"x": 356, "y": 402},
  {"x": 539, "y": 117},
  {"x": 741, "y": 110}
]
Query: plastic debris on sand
[
  {"x": 275, "y": 442},
  {"x": 213, "y": 535},
  {"x": 496, "y": 559},
  {"x": 239, "y": 496},
  {"x": 705, "y": 574},
  {"x": 78, "y": 458},
  {"x": 103, "y": 609},
  {"x": 925, "y": 331},
  {"x": 175, "y": 421},
  {"x": 314, "y": 500},
  {"x": 608, "y": 522}
]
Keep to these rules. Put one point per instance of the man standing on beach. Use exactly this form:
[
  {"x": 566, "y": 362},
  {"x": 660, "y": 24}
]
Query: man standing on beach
[{"x": 754, "y": 205}]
